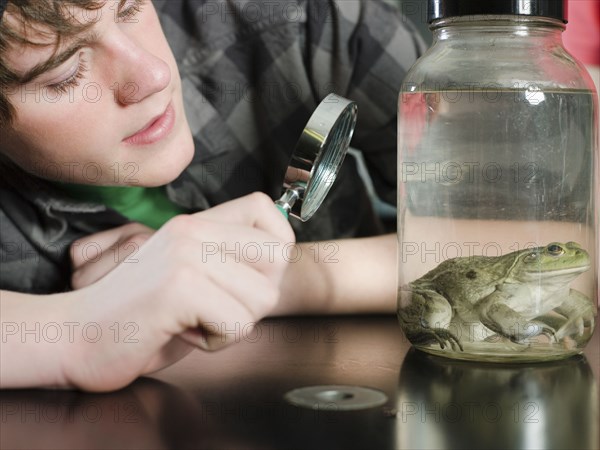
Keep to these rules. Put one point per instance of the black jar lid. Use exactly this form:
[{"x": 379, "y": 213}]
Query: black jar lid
[{"x": 439, "y": 9}]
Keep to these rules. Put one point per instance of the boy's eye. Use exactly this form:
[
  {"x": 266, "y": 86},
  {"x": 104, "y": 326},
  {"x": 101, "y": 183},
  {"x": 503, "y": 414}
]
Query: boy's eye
[
  {"x": 72, "y": 80},
  {"x": 130, "y": 9}
]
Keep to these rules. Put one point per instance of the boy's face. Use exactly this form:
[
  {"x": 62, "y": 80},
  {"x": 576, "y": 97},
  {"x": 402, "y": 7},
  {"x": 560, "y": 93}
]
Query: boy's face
[{"x": 86, "y": 121}]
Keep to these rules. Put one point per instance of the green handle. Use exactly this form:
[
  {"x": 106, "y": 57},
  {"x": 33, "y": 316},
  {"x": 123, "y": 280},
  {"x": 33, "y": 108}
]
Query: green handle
[{"x": 283, "y": 211}]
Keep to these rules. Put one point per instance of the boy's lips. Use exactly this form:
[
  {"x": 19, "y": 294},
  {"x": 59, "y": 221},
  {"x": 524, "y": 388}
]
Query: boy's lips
[{"x": 158, "y": 128}]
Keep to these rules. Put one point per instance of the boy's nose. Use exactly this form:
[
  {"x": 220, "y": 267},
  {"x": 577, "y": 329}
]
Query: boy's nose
[{"x": 141, "y": 75}]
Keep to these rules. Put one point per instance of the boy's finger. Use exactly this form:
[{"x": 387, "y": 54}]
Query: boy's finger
[
  {"x": 205, "y": 341},
  {"x": 97, "y": 267},
  {"x": 93, "y": 246},
  {"x": 256, "y": 210}
]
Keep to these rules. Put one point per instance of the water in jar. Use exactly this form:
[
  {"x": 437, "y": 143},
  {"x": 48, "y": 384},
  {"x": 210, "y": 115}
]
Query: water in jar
[{"x": 497, "y": 247}]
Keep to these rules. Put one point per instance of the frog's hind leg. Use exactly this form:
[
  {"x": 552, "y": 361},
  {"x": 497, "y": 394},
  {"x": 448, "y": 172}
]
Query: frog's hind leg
[
  {"x": 505, "y": 321},
  {"x": 553, "y": 319},
  {"x": 503, "y": 343},
  {"x": 579, "y": 310},
  {"x": 425, "y": 317}
]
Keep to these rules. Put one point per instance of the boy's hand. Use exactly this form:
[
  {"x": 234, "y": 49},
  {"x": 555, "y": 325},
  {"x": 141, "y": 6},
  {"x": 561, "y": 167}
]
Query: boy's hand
[
  {"x": 194, "y": 281},
  {"x": 96, "y": 255}
]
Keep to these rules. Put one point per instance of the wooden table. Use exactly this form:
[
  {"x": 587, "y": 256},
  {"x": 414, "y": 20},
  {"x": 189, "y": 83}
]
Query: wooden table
[{"x": 233, "y": 399}]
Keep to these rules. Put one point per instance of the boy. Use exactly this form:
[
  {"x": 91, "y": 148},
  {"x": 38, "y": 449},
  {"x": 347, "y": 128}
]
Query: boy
[{"x": 108, "y": 132}]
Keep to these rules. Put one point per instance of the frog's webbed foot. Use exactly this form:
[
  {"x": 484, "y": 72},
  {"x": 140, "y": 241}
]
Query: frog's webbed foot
[
  {"x": 425, "y": 335},
  {"x": 442, "y": 337},
  {"x": 575, "y": 324},
  {"x": 535, "y": 328},
  {"x": 520, "y": 332},
  {"x": 579, "y": 311}
]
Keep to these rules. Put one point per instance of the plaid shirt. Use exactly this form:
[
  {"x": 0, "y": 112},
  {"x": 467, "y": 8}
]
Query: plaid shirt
[{"x": 253, "y": 72}]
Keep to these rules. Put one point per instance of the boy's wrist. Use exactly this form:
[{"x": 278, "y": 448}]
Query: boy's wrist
[
  {"x": 69, "y": 306},
  {"x": 35, "y": 338}
]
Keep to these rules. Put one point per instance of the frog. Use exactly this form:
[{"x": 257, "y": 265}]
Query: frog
[{"x": 517, "y": 296}]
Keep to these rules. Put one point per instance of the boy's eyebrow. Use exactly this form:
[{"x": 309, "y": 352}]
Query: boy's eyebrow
[{"x": 58, "y": 59}]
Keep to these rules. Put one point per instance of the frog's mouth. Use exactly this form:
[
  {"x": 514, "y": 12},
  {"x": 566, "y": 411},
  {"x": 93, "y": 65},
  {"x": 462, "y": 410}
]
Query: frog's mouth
[{"x": 558, "y": 275}]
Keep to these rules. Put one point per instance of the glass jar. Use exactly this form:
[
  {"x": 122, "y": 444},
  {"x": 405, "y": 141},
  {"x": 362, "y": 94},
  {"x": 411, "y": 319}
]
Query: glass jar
[{"x": 498, "y": 180}]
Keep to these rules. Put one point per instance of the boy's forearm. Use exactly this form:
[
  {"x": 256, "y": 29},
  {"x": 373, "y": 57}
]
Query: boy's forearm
[
  {"x": 33, "y": 335},
  {"x": 340, "y": 277},
  {"x": 334, "y": 277}
]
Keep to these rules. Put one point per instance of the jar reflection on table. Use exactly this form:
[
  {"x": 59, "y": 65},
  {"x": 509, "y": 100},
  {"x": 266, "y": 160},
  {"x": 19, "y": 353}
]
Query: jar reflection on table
[{"x": 453, "y": 404}]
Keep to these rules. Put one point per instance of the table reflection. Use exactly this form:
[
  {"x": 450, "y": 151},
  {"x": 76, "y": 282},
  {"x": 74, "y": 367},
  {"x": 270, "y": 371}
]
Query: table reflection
[
  {"x": 452, "y": 404},
  {"x": 235, "y": 399},
  {"x": 148, "y": 414}
]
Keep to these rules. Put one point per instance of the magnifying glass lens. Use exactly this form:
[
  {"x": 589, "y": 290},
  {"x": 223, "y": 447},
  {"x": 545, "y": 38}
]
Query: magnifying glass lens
[{"x": 318, "y": 157}]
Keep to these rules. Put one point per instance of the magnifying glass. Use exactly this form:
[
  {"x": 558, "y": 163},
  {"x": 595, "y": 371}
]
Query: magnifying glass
[{"x": 318, "y": 156}]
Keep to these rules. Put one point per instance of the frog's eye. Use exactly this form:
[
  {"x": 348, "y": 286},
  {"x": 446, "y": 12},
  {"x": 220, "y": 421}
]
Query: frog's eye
[
  {"x": 532, "y": 257},
  {"x": 555, "y": 250}
]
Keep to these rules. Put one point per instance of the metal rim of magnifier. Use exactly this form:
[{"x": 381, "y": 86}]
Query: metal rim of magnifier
[{"x": 321, "y": 150}]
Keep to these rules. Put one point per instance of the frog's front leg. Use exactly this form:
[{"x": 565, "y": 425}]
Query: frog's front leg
[
  {"x": 579, "y": 311},
  {"x": 424, "y": 316},
  {"x": 495, "y": 314}
]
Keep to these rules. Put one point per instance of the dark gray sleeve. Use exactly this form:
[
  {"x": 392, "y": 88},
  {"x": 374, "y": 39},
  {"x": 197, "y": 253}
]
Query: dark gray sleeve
[
  {"x": 25, "y": 268},
  {"x": 37, "y": 229},
  {"x": 362, "y": 50}
]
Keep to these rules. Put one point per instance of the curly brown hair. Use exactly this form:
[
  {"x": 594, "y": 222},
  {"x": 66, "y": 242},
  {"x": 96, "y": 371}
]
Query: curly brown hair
[{"x": 51, "y": 19}]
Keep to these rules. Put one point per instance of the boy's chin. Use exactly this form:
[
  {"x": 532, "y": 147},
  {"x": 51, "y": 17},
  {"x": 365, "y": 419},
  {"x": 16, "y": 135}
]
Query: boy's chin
[{"x": 168, "y": 169}]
